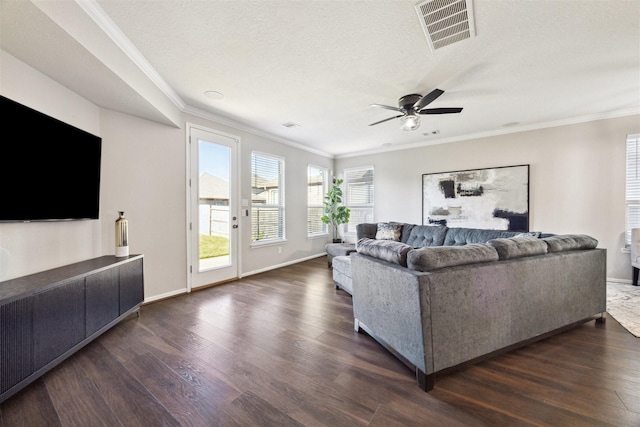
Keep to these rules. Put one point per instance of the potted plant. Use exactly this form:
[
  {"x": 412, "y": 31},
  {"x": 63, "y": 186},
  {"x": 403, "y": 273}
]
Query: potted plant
[{"x": 334, "y": 213}]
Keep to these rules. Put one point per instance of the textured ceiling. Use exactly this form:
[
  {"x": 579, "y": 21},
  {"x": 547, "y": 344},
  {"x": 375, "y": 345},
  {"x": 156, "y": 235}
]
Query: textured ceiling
[{"x": 321, "y": 64}]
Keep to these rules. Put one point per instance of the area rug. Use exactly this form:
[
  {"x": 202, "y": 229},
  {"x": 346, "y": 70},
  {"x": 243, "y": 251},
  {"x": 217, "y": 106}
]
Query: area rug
[{"x": 623, "y": 304}]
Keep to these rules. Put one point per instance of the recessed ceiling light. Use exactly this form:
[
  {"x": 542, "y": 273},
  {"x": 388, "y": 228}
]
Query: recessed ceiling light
[
  {"x": 510, "y": 124},
  {"x": 213, "y": 94}
]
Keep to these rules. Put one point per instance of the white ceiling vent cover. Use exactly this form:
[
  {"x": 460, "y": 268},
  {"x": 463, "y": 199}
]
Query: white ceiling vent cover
[{"x": 446, "y": 21}]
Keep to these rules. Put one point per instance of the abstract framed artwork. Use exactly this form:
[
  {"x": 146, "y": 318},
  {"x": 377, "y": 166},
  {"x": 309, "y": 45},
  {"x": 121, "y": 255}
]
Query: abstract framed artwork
[{"x": 492, "y": 198}]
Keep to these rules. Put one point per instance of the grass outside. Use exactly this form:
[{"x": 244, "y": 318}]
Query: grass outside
[{"x": 213, "y": 246}]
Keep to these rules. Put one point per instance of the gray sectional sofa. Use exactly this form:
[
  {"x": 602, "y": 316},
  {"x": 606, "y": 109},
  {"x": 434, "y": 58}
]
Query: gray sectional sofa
[{"x": 439, "y": 298}]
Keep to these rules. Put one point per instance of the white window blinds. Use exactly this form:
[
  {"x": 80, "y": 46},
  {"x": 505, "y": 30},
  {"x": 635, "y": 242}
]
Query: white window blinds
[
  {"x": 359, "y": 195},
  {"x": 267, "y": 198},
  {"x": 316, "y": 189},
  {"x": 632, "y": 191}
]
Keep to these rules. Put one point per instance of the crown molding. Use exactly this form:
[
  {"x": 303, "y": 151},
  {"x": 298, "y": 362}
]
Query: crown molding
[{"x": 106, "y": 24}]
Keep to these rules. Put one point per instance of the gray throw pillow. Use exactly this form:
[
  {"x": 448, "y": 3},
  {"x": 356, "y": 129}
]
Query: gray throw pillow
[{"x": 389, "y": 231}]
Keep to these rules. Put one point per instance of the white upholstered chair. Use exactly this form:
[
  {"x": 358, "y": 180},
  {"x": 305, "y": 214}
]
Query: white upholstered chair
[{"x": 635, "y": 253}]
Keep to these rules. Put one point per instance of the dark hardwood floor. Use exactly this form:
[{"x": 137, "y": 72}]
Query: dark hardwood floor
[{"x": 279, "y": 349}]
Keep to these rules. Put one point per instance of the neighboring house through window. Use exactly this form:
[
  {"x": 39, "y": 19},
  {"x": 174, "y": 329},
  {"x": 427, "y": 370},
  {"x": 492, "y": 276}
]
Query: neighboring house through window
[
  {"x": 213, "y": 205},
  {"x": 267, "y": 198},
  {"x": 317, "y": 182},
  {"x": 632, "y": 191},
  {"x": 358, "y": 189}
]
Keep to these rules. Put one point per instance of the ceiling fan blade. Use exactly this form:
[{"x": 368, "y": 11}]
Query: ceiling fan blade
[
  {"x": 440, "y": 110},
  {"x": 388, "y": 107},
  {"x": 386, "y": 120},
  {"x": 427, "y": 99}
]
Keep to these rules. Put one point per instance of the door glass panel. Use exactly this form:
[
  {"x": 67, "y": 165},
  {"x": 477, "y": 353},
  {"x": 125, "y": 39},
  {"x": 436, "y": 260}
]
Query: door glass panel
[{"x": 214, "y": 218}]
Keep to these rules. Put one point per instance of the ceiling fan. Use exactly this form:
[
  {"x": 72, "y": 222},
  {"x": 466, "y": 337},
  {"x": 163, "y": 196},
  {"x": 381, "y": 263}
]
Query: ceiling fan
[{"x": 411, "y": 106}]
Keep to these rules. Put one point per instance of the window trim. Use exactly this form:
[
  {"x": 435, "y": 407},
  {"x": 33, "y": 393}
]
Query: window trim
[
  {"x": 351, "y": 224},
  {"x": 325, "y": 187},
  {"x": 632, "y": 159},
  {"x": 281, "y": 196}
]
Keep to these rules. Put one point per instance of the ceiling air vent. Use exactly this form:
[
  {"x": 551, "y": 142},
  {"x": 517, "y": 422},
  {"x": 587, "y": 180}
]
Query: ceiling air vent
[{"x": 446, "y": 21}]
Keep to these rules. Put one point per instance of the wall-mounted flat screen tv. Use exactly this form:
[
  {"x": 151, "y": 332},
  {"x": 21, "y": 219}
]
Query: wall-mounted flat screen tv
[{"x": 49, "y": 170}]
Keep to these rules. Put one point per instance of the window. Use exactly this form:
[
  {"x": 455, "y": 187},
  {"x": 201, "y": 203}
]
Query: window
[
  {"x": 632, "y": 191},
  {"x": 267, "y": 198},
  {"x": 317, "y": 178},
  {"x": 359, "y": 195}
]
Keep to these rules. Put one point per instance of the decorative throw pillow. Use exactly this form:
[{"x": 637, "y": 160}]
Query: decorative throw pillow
[{"x": 389, "y": 231}]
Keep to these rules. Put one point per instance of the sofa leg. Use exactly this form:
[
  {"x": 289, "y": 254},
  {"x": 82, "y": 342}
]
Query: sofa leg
[
  {"x": 356, "y": 325},
  {"x": 635, "y": 276},
  {"x": 603, "y": 318},
  {"x": 425, "y": 382}
]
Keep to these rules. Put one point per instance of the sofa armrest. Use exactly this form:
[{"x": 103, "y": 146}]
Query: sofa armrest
[{"x": 389, "y": 305}]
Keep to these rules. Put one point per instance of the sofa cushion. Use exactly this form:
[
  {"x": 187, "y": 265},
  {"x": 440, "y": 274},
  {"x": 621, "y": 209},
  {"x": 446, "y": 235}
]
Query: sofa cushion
[
  {"x": 427, "y": 235},
  {"x": 388, "y": 250},
  {"x": 464, "y": 236},
  {"x": 342, "y": 273},
  {"x": 570, "y": 242},
  {"x": 366, "y": 229},
  {"x": 434, "y": 258},
  {"x": 406, "y": 232},
  {"x": 389, "y": 231},
  {"x": 518, "y": 247}
]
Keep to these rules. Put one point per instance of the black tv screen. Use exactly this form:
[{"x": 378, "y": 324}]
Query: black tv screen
[{"x": 49, "y": 170}]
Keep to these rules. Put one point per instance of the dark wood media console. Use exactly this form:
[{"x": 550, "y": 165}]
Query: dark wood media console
[{"x": 48, "y": 316}]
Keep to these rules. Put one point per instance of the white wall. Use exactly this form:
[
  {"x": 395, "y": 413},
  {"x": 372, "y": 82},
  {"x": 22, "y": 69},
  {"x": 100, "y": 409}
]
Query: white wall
[
  {"x": 144, "y": 175},
  {"x": 576, "y": 178}
]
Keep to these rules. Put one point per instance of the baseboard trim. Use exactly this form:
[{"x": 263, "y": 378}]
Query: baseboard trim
[
  {"x": 623, "y": 281},
  {"x": 164, "y": 296},
  {"x": 285, "y": 264}
]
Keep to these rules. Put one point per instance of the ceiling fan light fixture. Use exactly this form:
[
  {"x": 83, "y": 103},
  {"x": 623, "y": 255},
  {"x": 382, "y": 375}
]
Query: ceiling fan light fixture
[
  {"x": 410, "y": 122},
  {"x": 412, "y": 106}
]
